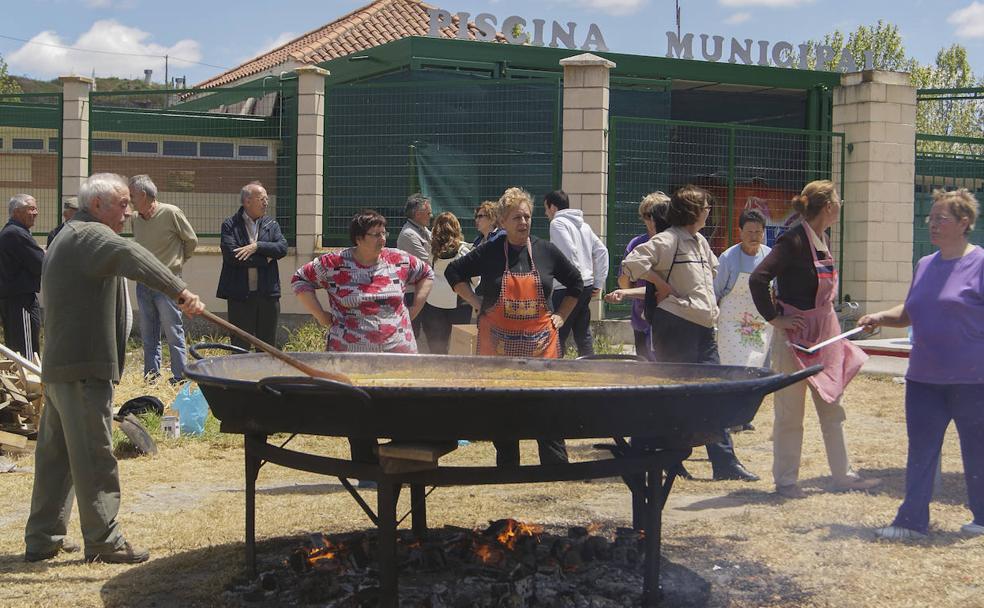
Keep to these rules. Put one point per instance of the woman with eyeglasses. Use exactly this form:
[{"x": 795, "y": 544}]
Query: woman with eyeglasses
[
  {"x": 945, "y": 378},
  {"x": 802, "y": 313},
  {"x": 486, "y": 223},
  {"x": 365, "y": 284},
  {"x": 681, "y": 266}
]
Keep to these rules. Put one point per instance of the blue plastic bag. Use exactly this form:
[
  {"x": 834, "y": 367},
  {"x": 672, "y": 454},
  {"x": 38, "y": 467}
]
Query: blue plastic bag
[{"x": 192, "y": 409}]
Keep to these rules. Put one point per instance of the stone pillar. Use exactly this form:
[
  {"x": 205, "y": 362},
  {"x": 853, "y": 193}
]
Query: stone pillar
[
  {"x": 310, "y": 158},
  {"x": 585, "y": 141},
  {"x": 75, "y": 132},
  {"x": 876, "y": 111}
]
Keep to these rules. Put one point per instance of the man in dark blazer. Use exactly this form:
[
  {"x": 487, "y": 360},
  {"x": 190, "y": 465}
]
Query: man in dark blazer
[{"x": 250, "y": 280}]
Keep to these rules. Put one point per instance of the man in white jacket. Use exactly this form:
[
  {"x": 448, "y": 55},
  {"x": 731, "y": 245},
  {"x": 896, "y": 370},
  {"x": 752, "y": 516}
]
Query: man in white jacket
[{"x": 575, "y": 239}]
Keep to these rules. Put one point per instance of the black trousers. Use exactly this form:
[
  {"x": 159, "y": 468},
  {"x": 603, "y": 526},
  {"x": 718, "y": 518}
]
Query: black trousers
[
  {"x": 642, "y": 347},
  {"x": 578, "y": 323},
  {"x": 552, "y": 451},
  {"x": 408, "y": 299},
  {"x": 436, "y": 325},
  {"x": 677, "y": 340},
  {"x": 257, "y": 315},
  {"x": 17, "y": 334}
]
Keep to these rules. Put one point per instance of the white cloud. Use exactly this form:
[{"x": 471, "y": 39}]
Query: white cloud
[
  {"x": 110, "y": 3},
  {"x": 40, "y": 61},
  {"x": 765, "y": 3},
  {"x": 738, "y": 18},
  {"x": 612, "y": 7},
  {"x": 969, "y": 20},
  {"x": 272, "y": 43}
]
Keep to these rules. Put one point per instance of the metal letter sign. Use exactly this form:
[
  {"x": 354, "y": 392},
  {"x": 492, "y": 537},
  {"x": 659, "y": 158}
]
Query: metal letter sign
[
  {"x": 514, "y": 30},
  {"x": 751, "y": 52}
]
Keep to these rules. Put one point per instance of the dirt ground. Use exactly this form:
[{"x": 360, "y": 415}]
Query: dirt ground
[{"x": 186, "y": 506}]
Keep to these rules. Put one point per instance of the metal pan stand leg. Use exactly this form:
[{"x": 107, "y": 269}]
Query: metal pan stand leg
[
  {"x": 418, "y": 506},
  {"x": 386, "y": 494},
  {"x": 651, "y": 591},
  {"x": 252, "y": 471}
]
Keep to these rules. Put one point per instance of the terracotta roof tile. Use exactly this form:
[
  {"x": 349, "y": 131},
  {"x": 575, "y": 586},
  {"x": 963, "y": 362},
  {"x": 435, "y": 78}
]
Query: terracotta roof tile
[{"x": 372, "y": 25}]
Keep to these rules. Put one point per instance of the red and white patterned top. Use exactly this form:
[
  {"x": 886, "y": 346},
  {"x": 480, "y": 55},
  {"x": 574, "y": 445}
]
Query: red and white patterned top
[{"x": 366, "y": 302}]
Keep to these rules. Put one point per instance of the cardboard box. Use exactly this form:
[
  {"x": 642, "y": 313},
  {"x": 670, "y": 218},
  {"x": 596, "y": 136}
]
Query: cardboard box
[{"x": 464, "y": 340}]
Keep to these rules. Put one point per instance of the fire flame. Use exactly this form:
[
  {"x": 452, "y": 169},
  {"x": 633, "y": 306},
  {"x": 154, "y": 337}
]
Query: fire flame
[
  {"x": 487, "y": 554},
  {"x": 324, "y": 553},
  {"x": 516, "y": 530}
]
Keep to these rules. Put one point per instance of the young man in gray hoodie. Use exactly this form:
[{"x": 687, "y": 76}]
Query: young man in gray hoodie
[{"x": 575, "y": 239}]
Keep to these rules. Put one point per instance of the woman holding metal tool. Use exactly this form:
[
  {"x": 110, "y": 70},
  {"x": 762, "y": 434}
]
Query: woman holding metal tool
[
  {"x": 515, "y": 319},
  {"x": 803, "y": 314},
  {"x": 365, "y": 285},
  {"x": 945, "y": 379}
]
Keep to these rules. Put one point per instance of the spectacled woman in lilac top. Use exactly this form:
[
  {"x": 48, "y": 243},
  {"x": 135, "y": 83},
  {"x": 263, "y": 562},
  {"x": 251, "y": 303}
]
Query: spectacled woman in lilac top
[{"x": 945, "y": 381}]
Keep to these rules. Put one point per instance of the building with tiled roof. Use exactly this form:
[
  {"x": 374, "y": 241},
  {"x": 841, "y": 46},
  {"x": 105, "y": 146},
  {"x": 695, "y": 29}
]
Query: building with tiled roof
[{"x": 377, "y": 23}]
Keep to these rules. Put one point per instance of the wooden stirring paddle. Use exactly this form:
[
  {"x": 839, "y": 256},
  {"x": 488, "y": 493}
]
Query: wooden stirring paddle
[{"x": 274, "y": 351}]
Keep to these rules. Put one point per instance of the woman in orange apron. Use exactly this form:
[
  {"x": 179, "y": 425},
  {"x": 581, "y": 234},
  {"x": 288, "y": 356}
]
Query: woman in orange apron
[
  {"x": 515, "y": 320},
  {"x": 803, "y": 313}
]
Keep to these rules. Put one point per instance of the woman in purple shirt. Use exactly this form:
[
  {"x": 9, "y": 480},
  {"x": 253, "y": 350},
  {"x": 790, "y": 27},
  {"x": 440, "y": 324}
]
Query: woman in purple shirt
[
  {"x": 945, "y": 381},
  {"x": 652, "y": 212}
]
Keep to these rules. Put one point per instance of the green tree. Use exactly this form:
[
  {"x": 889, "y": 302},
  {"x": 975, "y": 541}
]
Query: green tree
[{"x": 7, "y": 84}]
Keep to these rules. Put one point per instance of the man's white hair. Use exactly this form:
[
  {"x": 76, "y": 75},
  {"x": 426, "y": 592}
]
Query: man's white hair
[
  {"x": 103, "y": 186},
  {"x": 17, "y": 201},
  {"x": 145, "y": 185}
]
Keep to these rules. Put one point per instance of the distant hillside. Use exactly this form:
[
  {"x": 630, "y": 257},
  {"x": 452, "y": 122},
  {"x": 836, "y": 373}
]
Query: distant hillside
[{"x": 30, "y": 85}]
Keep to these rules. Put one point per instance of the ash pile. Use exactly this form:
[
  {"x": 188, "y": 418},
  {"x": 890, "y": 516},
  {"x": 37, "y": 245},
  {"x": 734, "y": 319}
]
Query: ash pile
[{"x": 507, "y": 565}]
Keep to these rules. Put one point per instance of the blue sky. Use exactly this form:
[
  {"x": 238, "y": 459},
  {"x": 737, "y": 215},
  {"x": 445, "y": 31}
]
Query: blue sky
[{"x": 226, "y": 34}]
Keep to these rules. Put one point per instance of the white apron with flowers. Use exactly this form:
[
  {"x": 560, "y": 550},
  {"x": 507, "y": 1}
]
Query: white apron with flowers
[{"x": 743, "y": 335}]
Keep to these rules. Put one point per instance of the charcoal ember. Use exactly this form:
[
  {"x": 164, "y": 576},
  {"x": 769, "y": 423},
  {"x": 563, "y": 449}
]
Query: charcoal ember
[
  {"x": 559, "y": 548},
  {"x": 316, "y": 540},
  {"x": 572, "y": 560},
  {"x": 268, "y": 582},
  {"x": 298, "y": 561},
  {"x": 577, "y": 532},
  {"x": 496, "y": 527},
  {"x": 596, "y": 548}
]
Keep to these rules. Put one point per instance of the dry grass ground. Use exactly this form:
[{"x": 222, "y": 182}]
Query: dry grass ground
[{"x": 186, "y": 506}]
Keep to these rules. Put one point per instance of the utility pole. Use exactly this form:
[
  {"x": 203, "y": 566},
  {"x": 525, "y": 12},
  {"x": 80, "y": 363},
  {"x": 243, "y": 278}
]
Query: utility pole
[{"x": 678, "y": 18}]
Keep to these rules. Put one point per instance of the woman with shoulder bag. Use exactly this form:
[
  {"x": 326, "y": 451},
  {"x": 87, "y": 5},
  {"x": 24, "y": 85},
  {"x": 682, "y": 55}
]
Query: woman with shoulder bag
[{"x": 444, "y": 307}]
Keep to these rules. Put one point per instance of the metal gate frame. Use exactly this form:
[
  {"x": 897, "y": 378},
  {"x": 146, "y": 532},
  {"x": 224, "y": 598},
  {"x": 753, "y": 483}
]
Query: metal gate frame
[{"x": 822, "y": 161}]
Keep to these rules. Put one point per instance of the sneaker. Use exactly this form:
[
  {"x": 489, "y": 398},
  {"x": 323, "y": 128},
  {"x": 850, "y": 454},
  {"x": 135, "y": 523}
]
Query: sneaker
[
  {"x": 972, "y": 528},
  {"x": 853, "y": 484},
  {"x": 66, "y": 546},
  {"x": 792, "y": 491},
  {"x": 898, "y": 533},
  {"x": 126, "y": 554},
  {"x": 366, "y": 484},
  {"x": 735, "y": 471}
]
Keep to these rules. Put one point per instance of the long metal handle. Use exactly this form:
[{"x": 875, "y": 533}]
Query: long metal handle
[
  {"x": 274, "y": 351},
  {"x": 793, "y": 378}
]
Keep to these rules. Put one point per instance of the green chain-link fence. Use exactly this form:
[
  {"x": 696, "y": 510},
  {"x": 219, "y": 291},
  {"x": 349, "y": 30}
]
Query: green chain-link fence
[
  {"x": 949, "y": 154},
  {"x": 741, "y": 166},
  {"x": 202, "y": 146},
  {"x": 458, "y": 141},
  {"x": 30, "y": 153}
]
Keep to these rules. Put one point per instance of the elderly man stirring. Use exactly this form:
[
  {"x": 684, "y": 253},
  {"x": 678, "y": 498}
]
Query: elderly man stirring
[
  {"x": 87, "y": 320},
  {"x": 20, "y": 276}
]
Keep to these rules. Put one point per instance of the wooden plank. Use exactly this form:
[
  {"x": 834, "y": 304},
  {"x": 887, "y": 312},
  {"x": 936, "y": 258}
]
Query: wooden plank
[
  {"x": 420, "y": 451},
  {"x": 13, "y": 440}
]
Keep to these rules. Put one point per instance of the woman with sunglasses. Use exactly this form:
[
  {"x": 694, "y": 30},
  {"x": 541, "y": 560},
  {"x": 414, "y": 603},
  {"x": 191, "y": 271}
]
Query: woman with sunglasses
[
  {"x": 803, "y": 313},
  {"x": 486, "y": 223},
  {"x": 945, "y": 378}
]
